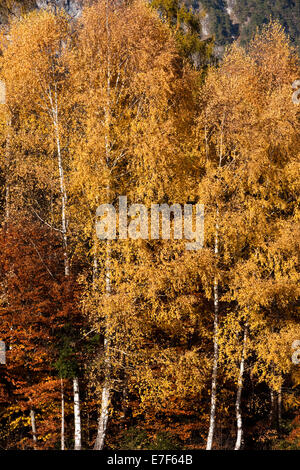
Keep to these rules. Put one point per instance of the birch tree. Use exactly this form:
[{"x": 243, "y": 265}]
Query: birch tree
[
  {"x": 246, "y": 166},
  {"x": 126, "y": 60}
]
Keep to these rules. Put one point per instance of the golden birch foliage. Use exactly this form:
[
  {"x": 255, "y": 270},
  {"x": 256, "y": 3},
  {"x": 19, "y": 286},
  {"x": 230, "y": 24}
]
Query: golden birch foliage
[
  {"x": 248, "y": 142},
  {"x": 125, "y": 76},
  {"x": 131, "y": 99},
  {"x": 134, "y": 101},
  {"x": 33, "y": 70},
  {"x": 125, "y": 116}
]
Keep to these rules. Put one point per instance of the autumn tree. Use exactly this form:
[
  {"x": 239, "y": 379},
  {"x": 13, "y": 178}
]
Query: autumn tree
[
  {"x": 247, "y": 156},
  {"x": 33, "y": 68},
  {"x": 125, "y": 107},
  {"x": 36, "y": 302}
]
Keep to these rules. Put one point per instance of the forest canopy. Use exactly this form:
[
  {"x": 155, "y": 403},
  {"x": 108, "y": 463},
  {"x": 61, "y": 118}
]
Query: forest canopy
[{"x": 141, "y": 343}]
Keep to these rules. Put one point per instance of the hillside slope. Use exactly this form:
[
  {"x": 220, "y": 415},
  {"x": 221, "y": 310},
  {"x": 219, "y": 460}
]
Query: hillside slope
[
  {"x": 231, "y": 19},
  {"x": 225, "y": 20}
]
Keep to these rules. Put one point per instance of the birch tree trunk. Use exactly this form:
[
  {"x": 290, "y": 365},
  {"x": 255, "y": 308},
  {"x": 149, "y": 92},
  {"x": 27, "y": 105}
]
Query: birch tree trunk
[
  {"x": 213, "y": 401},
  {"x": 64, "y": 222},
  {"x": 105, "y": 399},
  {"x": 62, "y": 446},
  {"x": 33, "y": 428},
  {"x": 214, "y": 380},
  {"x": 77, "y": 420},
  {"x": 7, "y": 188},
  {"x": 7, "y": 203},
  {"x": 274, "y": 409},
  {"x": 279, "y": 407},
  {"x": 7, "y": 152},
  {"x": 239, "y": 422},
  {"x": 103, "y": 419}
]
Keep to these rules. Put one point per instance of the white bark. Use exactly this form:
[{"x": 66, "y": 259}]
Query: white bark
[
  {"x": 95, "y": 269},
  {"x": 33, "y": 427},
  {"x": 213, "y": 401},
  {"x": 239, "y": 421},
  {"x": 214, "y": 380},
  {"x": 64, "y": 229},
  {"x": 7, "y": 203},
  {"x": 62, "y": 446},
  {"x": 105, "y": 399},
  {"x": 54, "y": 111},
  {"x": 77, "y": 420},
  {"x": 103, "y": 419},
  {"x": 279, "y": 406},
  {"x": 272, "y": 411},
  {"x": 7, "y": 189},
  {"x": 8, "y": 124}
]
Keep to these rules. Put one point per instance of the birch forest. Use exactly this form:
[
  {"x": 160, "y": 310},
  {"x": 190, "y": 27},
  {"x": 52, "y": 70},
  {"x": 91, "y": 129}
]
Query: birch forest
[{"x": 134, "y": 343}]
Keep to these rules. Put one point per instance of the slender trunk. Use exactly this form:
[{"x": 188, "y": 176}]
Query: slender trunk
[
  {"x": 273, "y": 411},
  {"x": 213, "y": 401},
  {"x": 64, "y": 224},
  {"x": 105, "y": 399},
  {"x": 279, "y": 406},
  {"x": 77, "y": 420},
  {"x": 62, "y": 446},
  {"x": 95, "y": 269},
  {"x": 272, "y": 406},
  {"x": 276, "y": 408},
  {"x": 63, "y": 193},
  {"x": 33, "y": 428},
  {"x": 7, "y": 203},
  {"x": 63, "y": 200},
  {"x": 7, "y": 188},
  {"x": 103, "y": 419},
  {"x": 8, "y": 124},
  {"x": 206, "y": 143},
  {"x": 239, "y": 422}
]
